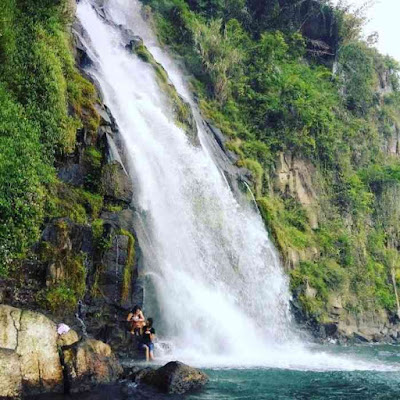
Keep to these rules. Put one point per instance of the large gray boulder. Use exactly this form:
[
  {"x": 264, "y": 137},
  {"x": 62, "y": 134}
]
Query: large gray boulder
[
  {"x": 10, "y": 374},
  {"x": 28, "y": 353},
  {"x": 175, "y": 378}
]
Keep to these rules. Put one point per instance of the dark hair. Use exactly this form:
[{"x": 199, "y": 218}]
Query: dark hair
[
  {"x": 135, "y": 309},
  {"x": 150, "y": 322}
]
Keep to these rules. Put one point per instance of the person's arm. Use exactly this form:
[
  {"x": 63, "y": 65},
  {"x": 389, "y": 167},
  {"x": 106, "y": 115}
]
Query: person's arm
[
  {"x": 129, "y": 318},
  {"x": 141, "y": 316},
  {"x": 152, "y": 335}
]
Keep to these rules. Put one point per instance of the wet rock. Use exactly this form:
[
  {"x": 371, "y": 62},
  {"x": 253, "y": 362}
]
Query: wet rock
[
  {"x": 103, "y": 130},
  {"x": 361, "y": 338},
  {"x": 88, "y": 364},
  {"x": 112, "y": 151},
  {"x": 239, "y": 179},
  {"x": 114, "y": 261},
  {"x": 123, "y": 219},
  {"x": 33, "y": 339},
  {"x": 329, "y": 329},
  {"x": 116, "y": 183},
  {"x": 134, "y": 42},
  {"x": 82, "y": 58},
  {"x": 221, "y": 140},
  {"x": 72, "y": 174},
  {"x": 175, "y": 378},
  {"x": 64, "y": 234},
  {"x": 104, "y": 117}
]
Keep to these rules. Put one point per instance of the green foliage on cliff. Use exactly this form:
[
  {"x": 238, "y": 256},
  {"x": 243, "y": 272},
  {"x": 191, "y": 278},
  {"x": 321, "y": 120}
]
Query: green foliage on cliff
[
  {"x": 42, "y": 98},
  {"x": 66, "y": 282},
  {"x": 129, "y": 266},
  {"x": 266, "y": 74}
]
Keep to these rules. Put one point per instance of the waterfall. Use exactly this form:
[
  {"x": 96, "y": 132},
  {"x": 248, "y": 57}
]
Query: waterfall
[{"x": 217, "y": 288}]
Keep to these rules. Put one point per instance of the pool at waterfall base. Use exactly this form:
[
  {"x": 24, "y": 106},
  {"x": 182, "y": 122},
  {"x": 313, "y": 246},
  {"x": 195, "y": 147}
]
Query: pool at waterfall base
[{"x": 381, "y": 382}]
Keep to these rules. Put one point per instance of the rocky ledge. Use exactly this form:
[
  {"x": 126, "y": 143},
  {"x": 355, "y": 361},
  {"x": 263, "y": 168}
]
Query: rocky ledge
[{"x": 36, "y": 359}]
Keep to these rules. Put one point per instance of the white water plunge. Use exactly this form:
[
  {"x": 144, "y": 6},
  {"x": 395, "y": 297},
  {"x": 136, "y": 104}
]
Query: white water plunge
[{"x": 223, "y": 298}]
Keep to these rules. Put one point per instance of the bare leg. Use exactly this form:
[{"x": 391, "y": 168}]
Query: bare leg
[
  {"x": 151, "y": 353},
  {"x": 147, "y": 352}
]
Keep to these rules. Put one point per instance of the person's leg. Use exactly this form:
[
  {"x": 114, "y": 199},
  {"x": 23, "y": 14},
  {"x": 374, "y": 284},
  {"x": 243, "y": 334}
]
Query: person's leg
[
  {"x": 151, "y": 351},
  {"x": 146, "y": 349}
]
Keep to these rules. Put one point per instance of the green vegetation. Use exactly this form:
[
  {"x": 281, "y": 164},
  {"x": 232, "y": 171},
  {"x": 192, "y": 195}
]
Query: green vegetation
[
  {"x": 67, "y": 277},
  {"x": 43, "y": 101},
  {"x": 130, "y": 262},
  {"x": 78, "y": 204},
  {"x": 273, "y": 89}
]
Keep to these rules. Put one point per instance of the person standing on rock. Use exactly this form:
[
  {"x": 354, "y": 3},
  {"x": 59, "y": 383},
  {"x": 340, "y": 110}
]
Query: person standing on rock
[
  {"x": 137, "y": 321},
  {"x": 148, "y": 336}
]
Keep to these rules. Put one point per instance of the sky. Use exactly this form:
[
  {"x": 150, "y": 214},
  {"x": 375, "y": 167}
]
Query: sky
[{"x": 384, "y": 18}]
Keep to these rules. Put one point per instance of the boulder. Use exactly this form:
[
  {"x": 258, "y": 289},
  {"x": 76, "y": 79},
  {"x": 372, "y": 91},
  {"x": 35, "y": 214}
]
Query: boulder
[
  {"x": 88, "y": 364},
  {"x": 37, "y": 348},
  {"x": 10, "y": 374},
  {"x": 28, "y": 343},
  {"x": 175, "y": 378},
  {"x": 68, "y": 338}
]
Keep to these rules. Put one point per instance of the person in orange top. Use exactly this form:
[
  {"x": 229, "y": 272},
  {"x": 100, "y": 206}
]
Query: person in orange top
[{"x": 137, "y": 320}]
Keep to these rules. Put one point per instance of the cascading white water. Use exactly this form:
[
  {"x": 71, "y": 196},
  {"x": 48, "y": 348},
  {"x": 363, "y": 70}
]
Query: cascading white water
[{"x": 222, "y": 295}]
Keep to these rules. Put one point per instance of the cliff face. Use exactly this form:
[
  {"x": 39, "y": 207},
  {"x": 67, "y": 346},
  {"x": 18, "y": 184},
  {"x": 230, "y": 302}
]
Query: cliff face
[{"x": 68, "y": 246}]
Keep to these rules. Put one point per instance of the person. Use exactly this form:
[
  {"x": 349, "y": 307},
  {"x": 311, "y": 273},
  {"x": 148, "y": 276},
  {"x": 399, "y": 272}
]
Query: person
[
  {"x": 137, "y": 321},
  {"x": 148, "y": 336}
]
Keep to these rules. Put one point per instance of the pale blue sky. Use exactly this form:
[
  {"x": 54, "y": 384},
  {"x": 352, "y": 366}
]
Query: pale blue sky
[{"x": 384, "y": 18}]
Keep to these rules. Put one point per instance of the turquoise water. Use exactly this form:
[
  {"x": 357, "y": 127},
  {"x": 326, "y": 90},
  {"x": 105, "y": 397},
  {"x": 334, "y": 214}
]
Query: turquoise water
[
  {"x": 381, "y": 383},
  {"x": 278, "y": 384},
  {"x": 301, "y": 385}
]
